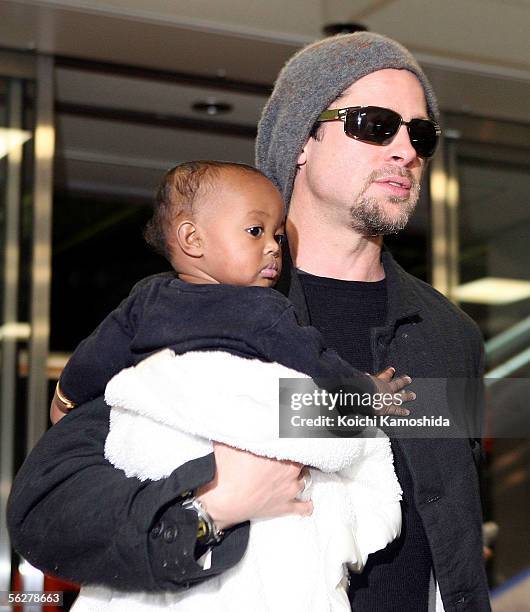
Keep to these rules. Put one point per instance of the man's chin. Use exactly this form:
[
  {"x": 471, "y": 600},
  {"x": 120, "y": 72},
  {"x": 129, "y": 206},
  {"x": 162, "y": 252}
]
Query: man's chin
[
  {"x": 374, "y": 218},
  {"x": 379, "y": 225}
]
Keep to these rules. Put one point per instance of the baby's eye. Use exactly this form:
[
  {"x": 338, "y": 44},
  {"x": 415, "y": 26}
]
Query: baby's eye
[
  {"x": 256, "y": 231},
  {"x": 280, "y": 239}
]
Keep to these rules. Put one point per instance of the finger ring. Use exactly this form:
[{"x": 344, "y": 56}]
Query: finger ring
[{"x": 308, "y": 480}]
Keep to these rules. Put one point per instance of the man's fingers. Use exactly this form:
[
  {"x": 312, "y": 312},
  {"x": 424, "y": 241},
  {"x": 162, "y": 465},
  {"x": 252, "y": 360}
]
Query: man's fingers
[
  {"x": 407, "y": 396},
  {"x": 397, "y": 411},
  {"x": 386, "y": 374},
  {"x": 293, "y": 470},
  {"x": 304, "y": 473},
  {"x": 399, "y": 383},
  {"x": 302, "y": 508}
]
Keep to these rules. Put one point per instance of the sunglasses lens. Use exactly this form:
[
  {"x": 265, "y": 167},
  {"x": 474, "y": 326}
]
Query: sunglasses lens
[
  {"x": 372, "y": 124},
  {"x": 380, "y": 125},
  {"x": 423, "y": 137}
]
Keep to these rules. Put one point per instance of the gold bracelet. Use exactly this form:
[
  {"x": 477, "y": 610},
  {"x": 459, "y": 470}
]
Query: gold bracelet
[{"x": 64, "y": 400}]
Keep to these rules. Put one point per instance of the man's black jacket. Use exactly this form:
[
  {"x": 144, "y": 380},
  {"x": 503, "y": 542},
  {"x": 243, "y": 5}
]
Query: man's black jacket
[{"x": 115, "y": 529}]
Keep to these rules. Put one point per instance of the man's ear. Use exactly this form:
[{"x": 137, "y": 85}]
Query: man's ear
[
  {"x": 302, "y": 158},
  {"x": 189, "y": 239}
]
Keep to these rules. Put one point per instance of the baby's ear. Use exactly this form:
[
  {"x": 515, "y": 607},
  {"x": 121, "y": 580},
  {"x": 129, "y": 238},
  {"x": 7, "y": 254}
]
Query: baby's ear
[{"x": 189, "y": 239}]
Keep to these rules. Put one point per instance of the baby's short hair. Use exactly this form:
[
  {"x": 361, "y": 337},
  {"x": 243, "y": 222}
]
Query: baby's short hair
[{"x": 177, "y": 195}]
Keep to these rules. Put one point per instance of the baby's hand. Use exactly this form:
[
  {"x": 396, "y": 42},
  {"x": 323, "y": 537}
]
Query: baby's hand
[{"x": 385, "y": 383}]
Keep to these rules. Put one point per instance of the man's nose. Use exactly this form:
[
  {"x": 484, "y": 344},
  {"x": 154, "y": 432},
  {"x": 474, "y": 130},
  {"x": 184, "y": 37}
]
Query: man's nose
[{"x": 400, "y": 150}]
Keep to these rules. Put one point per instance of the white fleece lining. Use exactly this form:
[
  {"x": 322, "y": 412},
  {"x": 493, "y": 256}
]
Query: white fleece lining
[{"x": 168, "y": 409}]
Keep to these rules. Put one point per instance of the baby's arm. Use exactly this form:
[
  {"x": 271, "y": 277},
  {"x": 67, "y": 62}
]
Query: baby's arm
[
  {"x": 102, "y": 354},
  {"x": 303, "y": 348}
]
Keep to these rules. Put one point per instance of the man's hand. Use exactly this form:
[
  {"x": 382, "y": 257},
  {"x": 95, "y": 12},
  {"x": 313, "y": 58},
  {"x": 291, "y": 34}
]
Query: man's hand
[
  {"x": 249, "y": 487},
  {"x": 385, "y": 383}
]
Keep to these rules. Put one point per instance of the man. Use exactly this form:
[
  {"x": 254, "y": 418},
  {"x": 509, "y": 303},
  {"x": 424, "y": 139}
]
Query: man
[{"x": 345, "y": 191}]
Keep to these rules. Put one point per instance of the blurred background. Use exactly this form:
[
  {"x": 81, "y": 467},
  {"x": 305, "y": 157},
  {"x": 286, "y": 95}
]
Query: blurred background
[{"x": 99, "y": 97}]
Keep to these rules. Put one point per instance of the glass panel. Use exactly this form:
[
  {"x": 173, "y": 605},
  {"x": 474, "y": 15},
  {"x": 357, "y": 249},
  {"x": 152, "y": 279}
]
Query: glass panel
[
  {"x": 494, "y": 234},
  {"x": 98, "y": 255},
  {"x": 494, "y": 289},
  {"x": 16, "y": 139}
]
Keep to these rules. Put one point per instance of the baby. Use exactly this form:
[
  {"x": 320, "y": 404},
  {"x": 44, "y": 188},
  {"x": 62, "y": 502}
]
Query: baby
[
  {"x": 196, "y": 358},
  {"x": 217, "y": 223}
]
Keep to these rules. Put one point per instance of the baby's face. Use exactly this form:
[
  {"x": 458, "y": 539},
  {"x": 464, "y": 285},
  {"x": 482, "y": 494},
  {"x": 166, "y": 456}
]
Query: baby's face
[{"x": 242, "y": 226}]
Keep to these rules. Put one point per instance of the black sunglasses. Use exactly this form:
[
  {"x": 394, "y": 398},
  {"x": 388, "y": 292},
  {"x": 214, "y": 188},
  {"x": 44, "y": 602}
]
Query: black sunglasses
[{"x": 378, "y": 125}]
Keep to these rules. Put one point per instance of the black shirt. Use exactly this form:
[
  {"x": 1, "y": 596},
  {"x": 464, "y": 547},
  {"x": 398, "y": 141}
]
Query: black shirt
[
  {"x": 344, "y": 312},
  {"x": 396, "y": 578}
]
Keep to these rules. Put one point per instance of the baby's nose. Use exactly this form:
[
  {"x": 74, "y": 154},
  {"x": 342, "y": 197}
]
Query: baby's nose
[
  {"x": 275, "y": 249},
  {"x": 272, "y": 246}
]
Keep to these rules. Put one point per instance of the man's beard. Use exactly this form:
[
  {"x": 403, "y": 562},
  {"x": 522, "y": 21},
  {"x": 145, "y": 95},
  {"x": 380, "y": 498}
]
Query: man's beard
[{"x": 369, "y": 215}]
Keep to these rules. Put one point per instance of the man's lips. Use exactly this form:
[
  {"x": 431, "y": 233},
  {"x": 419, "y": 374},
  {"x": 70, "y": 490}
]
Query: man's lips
[
  {"x": 270, "y": 271},
  {"x": 398, "y": 185}
]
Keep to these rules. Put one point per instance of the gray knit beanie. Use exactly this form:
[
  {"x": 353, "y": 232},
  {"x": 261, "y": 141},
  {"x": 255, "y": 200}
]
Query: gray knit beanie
[{"x": 309, "y": 83}]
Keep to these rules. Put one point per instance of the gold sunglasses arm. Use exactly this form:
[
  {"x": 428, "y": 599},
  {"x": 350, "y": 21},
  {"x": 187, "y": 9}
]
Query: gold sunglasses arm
[{"x": 333, "y": 114}]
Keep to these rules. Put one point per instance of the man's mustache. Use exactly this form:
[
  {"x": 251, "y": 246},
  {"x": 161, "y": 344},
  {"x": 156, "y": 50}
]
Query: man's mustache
[{"x": 386, "y": 171}]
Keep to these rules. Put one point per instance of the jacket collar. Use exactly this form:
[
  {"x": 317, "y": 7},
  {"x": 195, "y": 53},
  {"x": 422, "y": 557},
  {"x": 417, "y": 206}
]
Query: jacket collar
[{"x": 403, "y": 303}]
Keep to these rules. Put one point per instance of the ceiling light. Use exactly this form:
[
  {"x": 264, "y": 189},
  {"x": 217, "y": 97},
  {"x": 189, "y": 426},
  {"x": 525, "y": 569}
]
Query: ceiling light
[
  {"x": 11, "y": 138},
  {"x": 211, "y": 107},
  {"x": 490, "y": 290}
]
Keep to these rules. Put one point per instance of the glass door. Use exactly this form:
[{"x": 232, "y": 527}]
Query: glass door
[
  {"x": 480, "y": 193},
  {"x": 26, "y": 156},
  {"x": 494, "y": 289}
]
